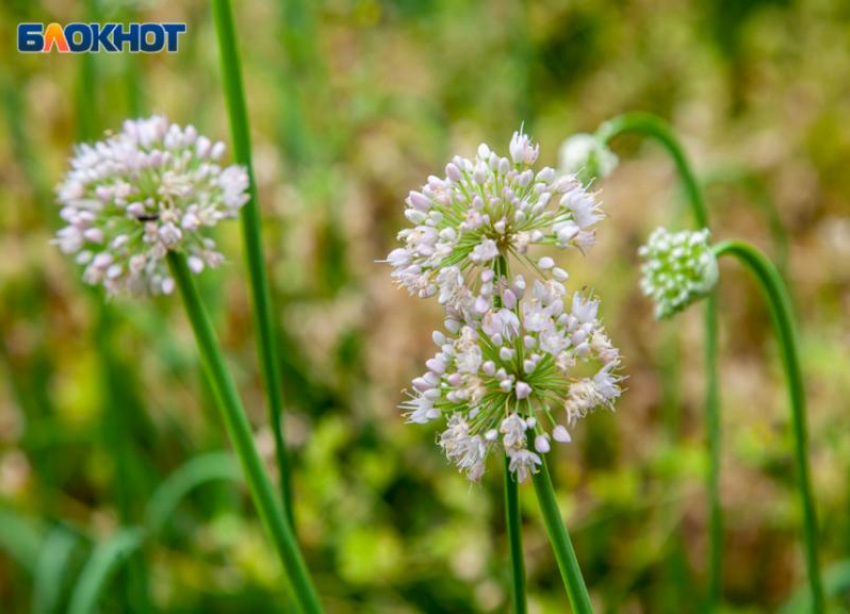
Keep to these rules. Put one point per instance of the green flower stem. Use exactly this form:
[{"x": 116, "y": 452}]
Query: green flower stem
[
  {"x": 513, "y": 518},
  {"x": 300, "y": 72},
  {"x": 133, "y": 78},
  {"x": 239, "y": 431},
  {"x": 779, "y": 303},
  {"x": 712, "y": 428},
  {"x": 261, "y": 296},
  {"x": 657, "y": 129},
  {"x": 514, "y": 527},
  {"x": 560, "y": 540},
  {"x": 116, "y": 427},
  {"x": 762, "y": 200}
]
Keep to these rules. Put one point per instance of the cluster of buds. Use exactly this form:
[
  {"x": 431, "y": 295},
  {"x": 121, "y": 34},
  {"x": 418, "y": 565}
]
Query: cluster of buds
[
  {"x": 151, "y": 189},
  {"x": 587, "y": 156},
  {"x": 518, "y": 362},
  {"x": 679, "y": 269}
]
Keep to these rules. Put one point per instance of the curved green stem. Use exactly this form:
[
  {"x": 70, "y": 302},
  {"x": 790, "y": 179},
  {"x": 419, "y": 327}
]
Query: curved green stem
[
  {"x": 657, "y": 129},
  {"x": 776, "y": 295},
  {"x": 561, "y": 544},
  {"x": 239, "y": 431},
  {"x": 261, "y": 296},
  {"x": 762, "y": 200}
]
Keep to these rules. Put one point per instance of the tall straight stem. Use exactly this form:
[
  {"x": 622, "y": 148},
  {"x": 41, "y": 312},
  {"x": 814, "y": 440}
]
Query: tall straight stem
[
  {"x": 779, "y": 303},
  {"x": 239, "y": 431},
  {"x": 561, "y": 544},
  {"x": 115, "y": 424},
  {"x": 514, "y": 528},
  {"x": 712, "y": 429},
  {"x": 513, "y": 518},
  {"x": 261, "y": 297},
  {"x": 657, "y": 129}
]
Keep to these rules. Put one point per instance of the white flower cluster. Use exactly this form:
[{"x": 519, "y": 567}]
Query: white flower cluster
[
  {"x": 152, "y": 188},
  {"x": 484, "y": 208},
  {"x": 586, "y": 156},
  {"x": 516, "y": 365},
  {"x": 679, "y": 268}
]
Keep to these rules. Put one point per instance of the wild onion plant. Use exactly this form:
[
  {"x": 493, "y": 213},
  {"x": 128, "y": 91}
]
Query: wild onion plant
[
  {"x": 121, "y": 404},
  {"x": 681, "y": 268},
  {"x": 589, "y": 155},
  {"x": 138, "y": 208},
  {"x": 520, "y": 360}
]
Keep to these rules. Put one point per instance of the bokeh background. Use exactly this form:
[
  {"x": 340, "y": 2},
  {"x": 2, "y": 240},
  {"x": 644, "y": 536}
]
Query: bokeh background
[{"x": 352, "y": 104}]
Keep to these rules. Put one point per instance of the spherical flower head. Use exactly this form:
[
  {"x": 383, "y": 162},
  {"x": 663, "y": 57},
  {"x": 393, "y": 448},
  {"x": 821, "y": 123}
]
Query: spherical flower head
[
  {"x": 150, "y": 189},
  {"x": 679, "y": 269},
  {"x": 587, "y": 157},
  {"x": 516, "y": 378},
  {"x": 485, "y": 209}
]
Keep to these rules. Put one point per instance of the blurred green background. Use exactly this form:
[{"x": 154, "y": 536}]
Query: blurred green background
[{"x": 352, "y": 104}]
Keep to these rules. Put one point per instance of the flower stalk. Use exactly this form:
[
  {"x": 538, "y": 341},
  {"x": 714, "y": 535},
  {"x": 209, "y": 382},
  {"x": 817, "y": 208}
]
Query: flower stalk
[
  {"x": 657, "y": 129},
  {"x": 239, "y": 431},
  {"x": 559, "y": 537},
  {"x": 260, "y": 292},
  {"x": 513, "y": 516},
  {"x": 514, "y": 528},
  {"x": 116, "y": 426},
  {"x": 779, "y": 304}
]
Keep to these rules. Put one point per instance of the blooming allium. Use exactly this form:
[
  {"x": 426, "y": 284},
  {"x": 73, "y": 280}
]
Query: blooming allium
[
  {"x": 679, "y": 268},
  {"x": 524, "y": 371},
  {"x": 586, "y": 156},
  {"x": 152, "y": 188},
  {"x": 485, "y": 209},
  {"x": 516, "y": 365}
]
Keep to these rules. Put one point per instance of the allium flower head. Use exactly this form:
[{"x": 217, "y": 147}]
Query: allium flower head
[
  {"x": 587, "y": 157},
  {"x": 152, "y": 188},
  {"x": 521, "y": 373},
  {"x": 679, "y": 268},
  {"x": 485, "y": 208}
]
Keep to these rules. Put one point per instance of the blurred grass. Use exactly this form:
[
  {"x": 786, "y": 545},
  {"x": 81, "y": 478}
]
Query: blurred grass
[{"x": 353, "y": 103}]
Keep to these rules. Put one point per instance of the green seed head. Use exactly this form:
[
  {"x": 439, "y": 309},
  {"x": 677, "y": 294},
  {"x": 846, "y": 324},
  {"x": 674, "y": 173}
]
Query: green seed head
[{"x": 679, "y": 269}]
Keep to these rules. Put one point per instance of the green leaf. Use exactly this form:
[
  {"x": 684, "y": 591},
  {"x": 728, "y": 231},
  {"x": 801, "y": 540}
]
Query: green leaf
[
  {"x": 20, "y": 537},
  {"x": 836, "y": 580},
  {"x": 52, "y": 569},
  {"x": 102, "y": 565},
  {"x": 215, "y": 466}
]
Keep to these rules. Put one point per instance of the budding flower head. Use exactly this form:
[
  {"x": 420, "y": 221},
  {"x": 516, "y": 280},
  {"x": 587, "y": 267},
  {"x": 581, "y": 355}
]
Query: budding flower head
[
  {"x": 514, "y": 378},
  {"x": 150, "y": 189},
  {"x": 679, "y": 268},
  {"x": 587, "y": 156},
  {"x": 486, "y": 209}
]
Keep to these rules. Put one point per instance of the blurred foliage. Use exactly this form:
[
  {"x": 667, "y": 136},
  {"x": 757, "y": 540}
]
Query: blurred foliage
[{"x": 353, "y": 103}]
